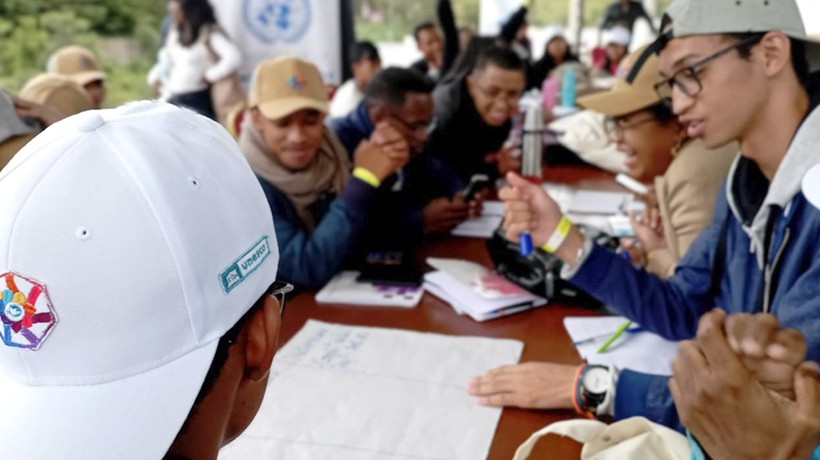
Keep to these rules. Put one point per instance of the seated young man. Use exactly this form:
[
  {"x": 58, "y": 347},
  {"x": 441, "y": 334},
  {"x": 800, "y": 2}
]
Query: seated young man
[
  {"x": 431, "y": 46},
  {"x": 321, "y": 208},
  {"x": 474, "y": 115},
  {"x": 364, "y": 62},
  {"x": 81, "y": 65},
  {"x": 137, "y": 265},
  {"x": 761, "y": 253},
  {"x": 422, "y": 197}
]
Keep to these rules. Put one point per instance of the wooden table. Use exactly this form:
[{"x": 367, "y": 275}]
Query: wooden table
[{"x": 541, "y": 329}]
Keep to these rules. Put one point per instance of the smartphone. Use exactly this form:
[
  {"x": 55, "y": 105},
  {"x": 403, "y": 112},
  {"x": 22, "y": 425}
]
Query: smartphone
[
  {"x": 391, "y": 269},
  {"x": 478, "y": 182}
]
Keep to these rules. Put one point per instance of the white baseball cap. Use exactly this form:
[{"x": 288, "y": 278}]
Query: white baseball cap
[
  {"x": 706, "y": 17},
  {"x": 132, "y": 239},
  {"x": 811, "y": 186},
  {"x": 617, "y": 35}
]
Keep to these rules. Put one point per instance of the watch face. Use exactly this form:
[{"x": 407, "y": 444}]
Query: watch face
[{"x": 596, "y": 380}]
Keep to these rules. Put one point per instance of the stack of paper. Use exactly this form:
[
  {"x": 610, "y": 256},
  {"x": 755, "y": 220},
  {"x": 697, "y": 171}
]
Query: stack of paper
[
  {"x": 474, "y": 290},
  {"x": 344, "y": 289}
]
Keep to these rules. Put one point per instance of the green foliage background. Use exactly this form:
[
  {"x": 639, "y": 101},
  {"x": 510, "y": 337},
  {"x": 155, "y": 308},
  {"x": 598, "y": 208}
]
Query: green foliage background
[{"x": 30, "y": 30}]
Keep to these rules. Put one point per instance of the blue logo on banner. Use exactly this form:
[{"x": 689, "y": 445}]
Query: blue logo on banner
[{"x": 273, "y": 21}]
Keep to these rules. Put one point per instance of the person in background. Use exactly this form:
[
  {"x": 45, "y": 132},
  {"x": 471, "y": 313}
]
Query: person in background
[
  {"x": 321, "y": 209},
  {"x": 61, "y": 93},
  {"x": 686, "y": 175},
  {"x": 196, "y": 54},
  {"x": 43, "y": 101},
  {"x": 465, "y": 34},
  {"x": 424, "y": 196},
  {"x": 474, "y": 111},
  {"x": 365, "y": 62},
  {"x": 760, "y": 253},
  {"x": 616, "y": 47},
  {"x": 181, "y": 383},
  {"x": 431, "y": 46},
  {"x": 514, "y": 34},
  {"x": 624, "y": 13},
  {"x": 556, "y": 53},
  {"x": 81, "y": 65}
]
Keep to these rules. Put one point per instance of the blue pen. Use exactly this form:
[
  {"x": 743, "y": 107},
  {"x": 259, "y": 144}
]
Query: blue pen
[{"x": 525, "y": 243}]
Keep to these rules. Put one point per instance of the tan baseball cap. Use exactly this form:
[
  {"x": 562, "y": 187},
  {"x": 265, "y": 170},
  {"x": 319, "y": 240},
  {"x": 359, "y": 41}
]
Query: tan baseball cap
[
  {"x": 76, "y": 62},
  {"x": 58, "y": 91},
  {"x": 706, "y": 17},
  {"x": 628, "y": 95},
  {"x": 285, "y": 85}
]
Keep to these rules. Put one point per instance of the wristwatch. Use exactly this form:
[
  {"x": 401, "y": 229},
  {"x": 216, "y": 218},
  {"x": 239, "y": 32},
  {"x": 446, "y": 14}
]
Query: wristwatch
[{"x": 594, "y": 384}]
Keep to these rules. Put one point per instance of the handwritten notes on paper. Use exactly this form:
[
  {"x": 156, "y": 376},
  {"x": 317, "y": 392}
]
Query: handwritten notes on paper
[{"x": 364, "y": 393}]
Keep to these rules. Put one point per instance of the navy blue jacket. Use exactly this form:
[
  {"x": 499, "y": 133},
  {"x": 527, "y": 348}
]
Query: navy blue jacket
[
  {"x": 397, "y": 213},
  {"x": 311, "y": 259}
]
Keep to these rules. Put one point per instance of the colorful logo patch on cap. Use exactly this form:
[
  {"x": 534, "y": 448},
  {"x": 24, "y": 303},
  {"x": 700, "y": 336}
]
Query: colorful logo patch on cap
[
  {"x": 25, "y": 311},
  {"x": 86, "y": 63},
  {"x": 238, "y": 272},
  {"x": 297, "y": 81}
]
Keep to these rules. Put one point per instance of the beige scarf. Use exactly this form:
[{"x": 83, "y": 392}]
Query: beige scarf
[{"x": 330, "y": 170}]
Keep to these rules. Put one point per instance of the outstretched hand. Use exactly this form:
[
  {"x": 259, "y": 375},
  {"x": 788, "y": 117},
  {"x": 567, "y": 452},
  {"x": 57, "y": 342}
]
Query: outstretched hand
[{"x": 530, "y": 385}]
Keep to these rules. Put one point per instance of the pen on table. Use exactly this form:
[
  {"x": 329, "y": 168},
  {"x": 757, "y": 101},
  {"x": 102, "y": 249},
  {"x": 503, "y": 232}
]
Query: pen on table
[
  {"x": 618, "y": 332},
  {"x": 525, "y": 243},
  {"x": 630, "y": 330}
]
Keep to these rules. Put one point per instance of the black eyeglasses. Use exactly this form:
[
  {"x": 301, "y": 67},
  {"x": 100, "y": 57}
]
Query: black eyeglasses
[
  {"x": 418, "y": 127},
  {"x": 277, "y": 290},
  {"x": 687, "y": 80},
  {"x": 615, "y": 127}
]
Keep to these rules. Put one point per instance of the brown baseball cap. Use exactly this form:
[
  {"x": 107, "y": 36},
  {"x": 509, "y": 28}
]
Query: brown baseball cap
[
  {"x": 285, "y": 85},
  {"x": 628, "y": 96},
  {"x": 76, "y": 62},
  {"x": 58, "y": 91}
]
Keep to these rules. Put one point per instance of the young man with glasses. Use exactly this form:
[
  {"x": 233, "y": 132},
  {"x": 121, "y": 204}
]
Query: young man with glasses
[
  {"x": 474, "y": 114},
  {"x": 762, "y": 251},
  {"x": 139, "y": 312},
  {"x": 322, "y": 209},
  {"x": 423, "y": 196}
]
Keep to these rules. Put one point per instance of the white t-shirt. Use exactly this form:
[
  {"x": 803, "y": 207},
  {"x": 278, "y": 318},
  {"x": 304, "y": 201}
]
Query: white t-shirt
[
  {"x": 188, "y": 69},
  {"x": 346, "y": 99}
]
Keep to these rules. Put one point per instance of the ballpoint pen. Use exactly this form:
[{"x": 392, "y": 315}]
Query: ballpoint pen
[
  {"x": 618, "y": 332},
  {"x": 525, "y": 243}
]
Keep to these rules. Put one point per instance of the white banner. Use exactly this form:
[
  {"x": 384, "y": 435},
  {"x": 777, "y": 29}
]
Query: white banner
[{"x": 261, "y": 29}]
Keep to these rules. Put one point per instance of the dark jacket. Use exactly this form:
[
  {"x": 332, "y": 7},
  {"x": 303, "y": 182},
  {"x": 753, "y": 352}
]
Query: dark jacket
[
  {"x": 617, "y": 15},
  {"x": 311, "y": 259},
  {"x": 397, "y": 212},
  {"x": 462, "y": 139}
]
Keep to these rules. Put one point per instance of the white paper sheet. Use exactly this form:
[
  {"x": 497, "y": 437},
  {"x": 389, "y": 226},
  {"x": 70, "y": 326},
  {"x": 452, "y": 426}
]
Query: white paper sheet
[
  {"x": 596, "y": 202},
  {"x": 359, "y": 393},
  {"x": 641, "y": 351},
  {"x": 483, "y": 226}
]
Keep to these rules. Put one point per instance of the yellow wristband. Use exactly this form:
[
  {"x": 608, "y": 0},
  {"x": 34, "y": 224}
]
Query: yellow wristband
[
  {"x": 558, "y": 235},
  {"x": 367, "y": 177}
]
